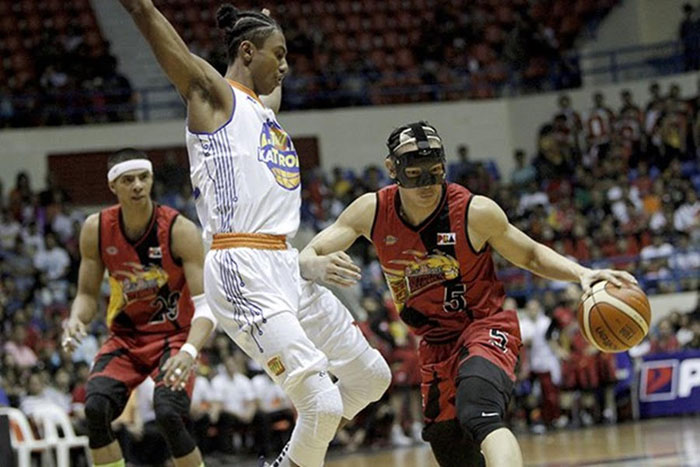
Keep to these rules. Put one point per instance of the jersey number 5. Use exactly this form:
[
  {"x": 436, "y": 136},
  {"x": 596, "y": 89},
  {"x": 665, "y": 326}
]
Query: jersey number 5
[
  {"x": 454, "y": 298},
  {"x": 499, "y": 339}
]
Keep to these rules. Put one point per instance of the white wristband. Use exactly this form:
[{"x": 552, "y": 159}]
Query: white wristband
[{"x": 190, "y": 349}]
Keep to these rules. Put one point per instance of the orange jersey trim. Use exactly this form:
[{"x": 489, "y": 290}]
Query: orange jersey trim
[
  {"x": 257, "y": 241},
  {"x": 245, "y": 89}
]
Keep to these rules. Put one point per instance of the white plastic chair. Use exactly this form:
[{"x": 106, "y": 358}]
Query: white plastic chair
[
  {"x": 52, "y": 418},
  {"x": 23, "y": 440}
]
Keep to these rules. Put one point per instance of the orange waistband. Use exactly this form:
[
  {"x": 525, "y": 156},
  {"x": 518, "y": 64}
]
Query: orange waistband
[{"x": 258, "y": 241}]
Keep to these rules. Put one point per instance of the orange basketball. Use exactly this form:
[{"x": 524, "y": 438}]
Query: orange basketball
[{"x": 614, "y": 319}]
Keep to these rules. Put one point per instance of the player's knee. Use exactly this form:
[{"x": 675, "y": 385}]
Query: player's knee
[
  {"x": 320, "y": 409},
  {"x": 363, "y": 381},
  {"x": 478, "y": 414},
  {"x": 325, "y": 411},
  {"x": 378, "y": 377},
  {"x": 171, "y": 409},
  {"x": 98, "y": 414}
]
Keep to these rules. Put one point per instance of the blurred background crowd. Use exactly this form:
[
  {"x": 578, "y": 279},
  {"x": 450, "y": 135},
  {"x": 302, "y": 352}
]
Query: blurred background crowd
[
  {"x": 59, "y": 68},
  {"x": 608, "y": 187}
]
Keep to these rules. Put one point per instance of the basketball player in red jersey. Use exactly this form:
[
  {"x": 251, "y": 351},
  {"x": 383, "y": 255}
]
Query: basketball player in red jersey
[
  {"x": 434, "y": 242},
  {"x": 154, "y": 258}
]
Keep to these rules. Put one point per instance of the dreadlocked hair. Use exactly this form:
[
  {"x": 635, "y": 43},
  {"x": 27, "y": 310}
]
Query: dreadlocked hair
[{"x": 239, "y": 26}]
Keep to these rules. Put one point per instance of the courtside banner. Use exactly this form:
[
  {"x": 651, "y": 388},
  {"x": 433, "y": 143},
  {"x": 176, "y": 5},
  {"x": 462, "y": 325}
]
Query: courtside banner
[{"x": 669, "y": 384}]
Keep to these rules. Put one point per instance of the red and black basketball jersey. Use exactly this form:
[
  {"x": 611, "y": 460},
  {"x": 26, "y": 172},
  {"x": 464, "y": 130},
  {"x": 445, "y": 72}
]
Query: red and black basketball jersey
[
  {"x": 439, "y": 283},
  {"x": 149, "y": 293}
]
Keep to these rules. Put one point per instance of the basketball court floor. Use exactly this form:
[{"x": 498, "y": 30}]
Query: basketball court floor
[{"x": 661, "y": 442}]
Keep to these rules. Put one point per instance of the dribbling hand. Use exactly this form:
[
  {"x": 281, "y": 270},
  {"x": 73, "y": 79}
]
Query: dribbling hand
[
  {"x": 73, "y": 332},
  {"x": 177, "y": 369},
  {"x": 617, "y": 278}
]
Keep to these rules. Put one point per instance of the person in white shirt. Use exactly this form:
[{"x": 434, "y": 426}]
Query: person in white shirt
[
  {"x": 687, "y": 216},
  {"x": 36, "y": 397},
  {"x": 9, "y": 229},
  {"x": 544, "y": 364},
  {"x": 274, "y": 416},
  {"x": 53, "y": 260},
  {"x": 235, "y": 392},
  {"x": 205, "y": 408}
]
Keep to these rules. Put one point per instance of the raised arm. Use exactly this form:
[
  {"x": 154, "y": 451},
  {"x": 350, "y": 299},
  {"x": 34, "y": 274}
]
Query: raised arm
[
  {"x": 324, "y": 258},
  {"x": 489, "y": 224},
  {"x": 187, "y": 247},
  {"x": 90, "y": 277},
  {"x": 207, "y": 93}
]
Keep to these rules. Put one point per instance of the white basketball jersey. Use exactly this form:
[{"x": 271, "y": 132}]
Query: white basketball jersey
[{"x": 245, "y": 176}]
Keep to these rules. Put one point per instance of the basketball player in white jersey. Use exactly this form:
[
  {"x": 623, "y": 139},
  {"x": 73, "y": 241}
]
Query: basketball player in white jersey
[{"x": 246, "y": 185}]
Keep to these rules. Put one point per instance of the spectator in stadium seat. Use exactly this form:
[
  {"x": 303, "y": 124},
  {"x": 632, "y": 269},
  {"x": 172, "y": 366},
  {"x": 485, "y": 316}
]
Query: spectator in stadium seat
[
  {"x": 36, "y": 396},
  {"x": 689, "y": 34},
  {"x": 663, "y": 340},
  {"x": 23, "y": 355},
  {"x": 695, "y": 329},
  {"x": 52, "y": 261},
  {"x": 58, "y": 389},
  {"x": 543, "y": 362},
  {"x": 599, "y": 127},
  {"x": 523, "y": 173},
  {"x": 533, "y": 197},
  {"x": 687, "y": 217},
  {"x": 205, "y": 409},
  {"x": 686, "y": 261},
  {"x": 235, "y": 392},
  {"x": 628, "y": 105},
  {"x": 274, "y": 415},
  {"x": 463, "y": 167},
  {"x": 9, "y": 229}
]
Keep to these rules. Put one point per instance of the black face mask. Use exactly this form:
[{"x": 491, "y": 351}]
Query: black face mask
[{"x": 424, "y": 158}]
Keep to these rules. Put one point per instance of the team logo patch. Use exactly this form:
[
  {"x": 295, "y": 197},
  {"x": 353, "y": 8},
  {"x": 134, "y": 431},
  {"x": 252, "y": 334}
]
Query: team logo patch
[
  {"x": 155, "y": 252},
  {"x": 275, "y": 365},
  {"x": 112, "y": 250},
  {"x": 449, "y": 238},
  {"x": 419, "y": 273},
  {"x": 278, "y": 153},
  {"x": 390, "y": 240},
  {"x": 658, "y": 380}
]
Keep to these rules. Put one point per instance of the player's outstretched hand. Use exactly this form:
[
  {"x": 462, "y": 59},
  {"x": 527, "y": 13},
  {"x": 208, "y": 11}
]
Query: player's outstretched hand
[
  {"x": 73, "y": 332},
  {"x": 617, "y": 278},
  {"x": 334, "y": 268},
  {"x": 177, "y": 370}
]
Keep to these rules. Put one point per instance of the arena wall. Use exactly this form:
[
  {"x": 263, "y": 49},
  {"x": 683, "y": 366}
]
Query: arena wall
[{"x": 347, "y": 137}]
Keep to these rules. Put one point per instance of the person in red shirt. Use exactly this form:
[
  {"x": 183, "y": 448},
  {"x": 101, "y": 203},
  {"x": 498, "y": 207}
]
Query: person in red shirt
[
  {"x": 665, "y": 340},
  {"x": 434, "y": 242},
  {"x": 154, "y": 259}
]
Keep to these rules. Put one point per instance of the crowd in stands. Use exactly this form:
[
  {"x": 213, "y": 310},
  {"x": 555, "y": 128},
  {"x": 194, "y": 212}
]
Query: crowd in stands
[
  {"x": 392, "y": 51},
  {"x": 609, "y": 187},
  {"x": 57, "y": 68}
]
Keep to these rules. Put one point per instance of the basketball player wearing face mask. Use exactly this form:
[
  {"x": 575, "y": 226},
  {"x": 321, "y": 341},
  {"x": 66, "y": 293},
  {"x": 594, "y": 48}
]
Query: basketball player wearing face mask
[{"x": 434, "y": 242}]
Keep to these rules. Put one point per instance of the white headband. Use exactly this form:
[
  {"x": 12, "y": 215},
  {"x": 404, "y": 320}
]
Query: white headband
[{"x": 128, "y": 166}]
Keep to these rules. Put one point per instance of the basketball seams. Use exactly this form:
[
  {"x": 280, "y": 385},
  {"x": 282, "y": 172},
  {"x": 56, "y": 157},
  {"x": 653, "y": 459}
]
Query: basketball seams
[
  {"x": 627, "y": 310},
  {"x": 613, "y": 333},
  {"x": 587, "y": 321},
  {"x": 634, "y": 297}
]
